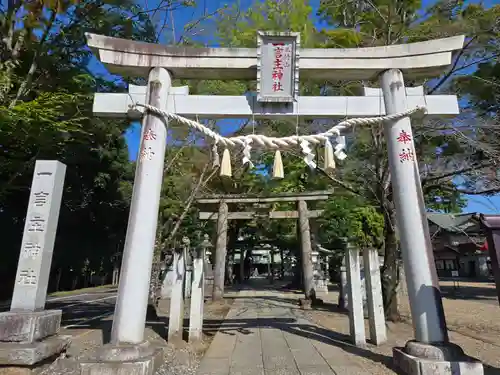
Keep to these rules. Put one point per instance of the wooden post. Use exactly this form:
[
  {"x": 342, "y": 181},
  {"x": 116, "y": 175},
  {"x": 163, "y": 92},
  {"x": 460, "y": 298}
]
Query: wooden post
[
  {"x": 220, "y": 252},
  {"x": 307, "y": 265}
]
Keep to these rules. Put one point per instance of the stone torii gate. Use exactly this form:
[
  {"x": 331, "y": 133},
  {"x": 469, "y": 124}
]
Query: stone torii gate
[
  {"x": 302, "y": 214},
  {"x": 277, "y": 97}
]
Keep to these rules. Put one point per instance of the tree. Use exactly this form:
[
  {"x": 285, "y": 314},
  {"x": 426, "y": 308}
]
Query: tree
[
  {"x": 372, "y": 23},
  {"x": 46, "y": 96}
]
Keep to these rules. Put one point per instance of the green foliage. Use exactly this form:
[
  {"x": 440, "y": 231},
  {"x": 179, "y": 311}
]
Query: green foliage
[
  {"x": 350, "y": 218},
  {"x": 46, "y": 97}
]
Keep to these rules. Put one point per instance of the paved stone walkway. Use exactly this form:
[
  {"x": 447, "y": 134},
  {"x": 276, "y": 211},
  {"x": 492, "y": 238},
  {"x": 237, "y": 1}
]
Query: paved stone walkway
[{"x": 264, "y": 335}]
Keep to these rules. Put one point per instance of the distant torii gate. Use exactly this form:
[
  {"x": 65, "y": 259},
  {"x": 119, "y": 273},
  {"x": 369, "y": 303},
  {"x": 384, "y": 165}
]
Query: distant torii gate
[{"x": 302, "y": 214}]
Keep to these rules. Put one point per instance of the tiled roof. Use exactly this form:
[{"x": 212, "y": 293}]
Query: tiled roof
[{"x": 453, "y": 222}]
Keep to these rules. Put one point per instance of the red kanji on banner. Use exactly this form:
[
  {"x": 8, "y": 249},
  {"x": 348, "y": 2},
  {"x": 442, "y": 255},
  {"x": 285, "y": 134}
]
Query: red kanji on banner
[
  {"x": 404, "y": 137},
  {"x": 277, "y": 86},
  {"x": 277, "y": 73},
  {"x": 149, "y": 135},
  {"x": 405, "y": 155}
]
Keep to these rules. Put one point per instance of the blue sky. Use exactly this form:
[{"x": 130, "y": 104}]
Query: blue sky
[{"x": 475, "y": 203}]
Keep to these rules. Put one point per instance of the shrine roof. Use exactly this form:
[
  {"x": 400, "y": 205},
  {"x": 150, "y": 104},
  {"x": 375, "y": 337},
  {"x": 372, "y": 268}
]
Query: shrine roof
[{"x": 455, "y": 223}]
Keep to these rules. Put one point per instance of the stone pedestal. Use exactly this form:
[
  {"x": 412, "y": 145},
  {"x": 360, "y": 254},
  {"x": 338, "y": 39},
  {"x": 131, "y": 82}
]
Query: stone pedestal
[
  {"x": 22, "y": 354},
  {"x": 123, "y": 359},
  {"x": 429, "y": 359},
  {"x": 27, "y": 338},
  {"x": 29, "y": 326}
]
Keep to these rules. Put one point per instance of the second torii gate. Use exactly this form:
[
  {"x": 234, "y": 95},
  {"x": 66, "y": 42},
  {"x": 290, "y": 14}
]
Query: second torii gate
[{"x": 302, "y": 214}]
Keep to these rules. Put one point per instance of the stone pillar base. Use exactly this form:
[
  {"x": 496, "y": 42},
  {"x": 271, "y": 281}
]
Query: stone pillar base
[
  {"x": 27, "y": 339},
  {"x": 130, "y": 359},
  {"x": 28, "y": 354},
  {"x": 443, "y": 359},
  {"x": 28, "y": 326}
]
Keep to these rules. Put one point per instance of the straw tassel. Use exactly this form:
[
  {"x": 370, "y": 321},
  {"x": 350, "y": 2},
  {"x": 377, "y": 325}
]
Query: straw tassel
[
  {"x": 329, "y": 161},
  {"x": 225, "y": 168},
  {"x": 278, "y": 166}
]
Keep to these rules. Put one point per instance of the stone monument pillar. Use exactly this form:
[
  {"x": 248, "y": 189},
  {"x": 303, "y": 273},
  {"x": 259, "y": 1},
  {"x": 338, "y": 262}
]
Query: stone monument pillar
[
  {"x": 431, "y": 346},
  {"x": 168, "y": 276},
  {"x": 197, "y": 294},
  {"x": 373, "y": 289},
  {"x": 28, "y": 333},
  {"x": 176, "y": 316},
  {"x": 355, "y": 297},
  {"x": 320, "y": 281}
]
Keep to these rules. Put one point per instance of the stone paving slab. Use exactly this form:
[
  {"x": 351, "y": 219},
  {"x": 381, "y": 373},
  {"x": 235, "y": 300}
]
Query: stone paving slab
[{"x": 262, "y": 336}]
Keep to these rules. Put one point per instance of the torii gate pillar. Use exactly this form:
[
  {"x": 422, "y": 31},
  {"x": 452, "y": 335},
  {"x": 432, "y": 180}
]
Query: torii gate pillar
[
  {"x": 431, "y": 348},
  {"x": 127, "y": 336}
]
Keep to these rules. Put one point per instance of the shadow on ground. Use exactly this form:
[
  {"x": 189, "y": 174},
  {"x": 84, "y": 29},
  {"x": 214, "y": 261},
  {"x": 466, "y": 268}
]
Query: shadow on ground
[
  {"x": 290, "y": 325},
  {"x": 469, "y": 292}
]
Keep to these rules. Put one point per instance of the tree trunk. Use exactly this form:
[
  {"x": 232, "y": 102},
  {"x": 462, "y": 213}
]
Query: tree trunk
[
  {"x": 390, "y": 269},
  {"x": 58, "y": 279}
]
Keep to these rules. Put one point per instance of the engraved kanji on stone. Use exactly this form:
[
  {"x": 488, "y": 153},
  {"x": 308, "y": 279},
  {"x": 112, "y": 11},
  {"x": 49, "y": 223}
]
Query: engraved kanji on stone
[
  {"x": 147, "y": 154},
  {"x": 36, "y": 224},
  {"x": 41, "y": 198},
  {"x": 404, "y": 137},
  {"x": 31, "y": 250},
  {"x": 405, "y": 155},
  {"x": 149, "y": 135},
  {"x": 44, "y": 174},
  {"x": 27, "y": 277}
]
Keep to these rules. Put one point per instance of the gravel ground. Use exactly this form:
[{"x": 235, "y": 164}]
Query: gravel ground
[
  {"x": 473, "y": 325},
  {"x": 181, "y": 359},
  {"x": 475, "y": 318}
]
